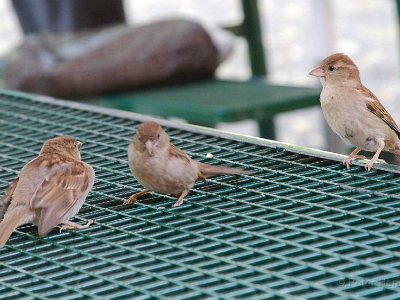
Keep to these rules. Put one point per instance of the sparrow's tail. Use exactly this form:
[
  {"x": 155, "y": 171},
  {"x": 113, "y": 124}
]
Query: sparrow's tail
[
  {"x": 12, "y": 219},
  {"x": 211, "y": 170}
]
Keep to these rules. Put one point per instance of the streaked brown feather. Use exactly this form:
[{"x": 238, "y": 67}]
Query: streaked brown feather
[
  {"x": 338, "y": 57},
  {"x": 201, "y": 176},
  {"x": 376, "y": 107},
  {"x": 207, "y": 170},
  {"x": 5, "y": 201},
  {"x": 65, "y": 184},
  {"x": 178, "y": 153}
]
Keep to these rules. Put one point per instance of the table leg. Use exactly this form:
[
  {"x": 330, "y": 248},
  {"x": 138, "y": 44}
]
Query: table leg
[{"x": 267, "y": 128}]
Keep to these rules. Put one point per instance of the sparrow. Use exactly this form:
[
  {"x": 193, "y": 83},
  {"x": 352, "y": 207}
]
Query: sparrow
[
  {"x": 49, "y": 190},
  {"x": 354, "y": 112},
  {"x": 164, "y": 168}
]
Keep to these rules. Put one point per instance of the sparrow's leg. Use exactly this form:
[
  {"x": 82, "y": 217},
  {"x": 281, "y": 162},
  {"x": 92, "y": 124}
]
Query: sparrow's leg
[
  {"x": 180, "y": 199},
  {"x": 352, "y": 156},
  {"x": 376, "y": 156},
  {"x": 135, "y": 197},
  {"x": 68, "y": 225}
]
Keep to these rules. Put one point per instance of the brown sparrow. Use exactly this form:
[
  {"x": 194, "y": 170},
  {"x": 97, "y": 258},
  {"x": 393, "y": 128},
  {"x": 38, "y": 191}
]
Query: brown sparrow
[
  {"x": 164, "y": 168},
  {"x": 353, "y": 112},
  {"x": 50, "y": 189}
]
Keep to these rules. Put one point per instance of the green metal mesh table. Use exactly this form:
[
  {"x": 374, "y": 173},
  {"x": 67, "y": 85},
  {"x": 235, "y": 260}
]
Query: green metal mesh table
[{"x": 301, "y": 227}]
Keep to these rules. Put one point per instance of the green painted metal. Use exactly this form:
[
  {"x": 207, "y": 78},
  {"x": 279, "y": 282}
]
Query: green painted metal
[
  {"x": 301, "y": 227},
  {"x": 250, "y": 29},
  {"x": 252, "y": 32},
  {"x": 212, "y": 101}
]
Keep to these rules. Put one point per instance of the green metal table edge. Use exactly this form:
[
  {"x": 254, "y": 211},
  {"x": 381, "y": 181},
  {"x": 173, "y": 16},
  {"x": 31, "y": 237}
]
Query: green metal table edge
[{"x": 201, "y": 129}]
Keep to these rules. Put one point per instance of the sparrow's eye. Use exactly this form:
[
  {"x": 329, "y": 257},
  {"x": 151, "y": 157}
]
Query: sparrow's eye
[
  {"x": 158, "y": 136},
  {"x": 331, "y": 68}
]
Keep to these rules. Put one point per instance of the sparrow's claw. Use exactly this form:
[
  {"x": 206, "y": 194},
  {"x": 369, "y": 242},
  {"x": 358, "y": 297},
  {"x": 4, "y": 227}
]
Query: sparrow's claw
[
  {"x": 372, "y": 162},
  {"x": 347, "y": 162},
  {"x": 369, "y": 165},
  {"x": 349, "y": 159},
  {"x": 68, "y": 225},
  {"x": 376, "y": 158},
  {"x": 130, "y": 200},
  {"x": 135, "y": 197},
  {"x": 381, "y": 161},
  {"x": 179, "y": 202},
  {"x": 181, "y": 199}
]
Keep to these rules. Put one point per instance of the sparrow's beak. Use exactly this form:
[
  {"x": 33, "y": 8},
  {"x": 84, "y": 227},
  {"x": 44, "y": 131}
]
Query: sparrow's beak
[
  {"x": 79, "y": 144},
  {"x": 150, "y": 147},
  {"x": 319, "y": 72}
]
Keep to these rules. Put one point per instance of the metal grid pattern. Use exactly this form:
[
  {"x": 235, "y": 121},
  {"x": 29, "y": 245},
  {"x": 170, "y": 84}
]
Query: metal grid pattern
[{"x": 300, "y": 227}]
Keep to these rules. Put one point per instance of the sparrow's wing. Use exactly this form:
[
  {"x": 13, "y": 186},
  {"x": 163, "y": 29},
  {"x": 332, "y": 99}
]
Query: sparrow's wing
[
  {"x": 178, "y": 153},
  {"x": 66, "y": 183},
  {"x": 376, "y": 107},
  {"x": 5, "y": 201}
]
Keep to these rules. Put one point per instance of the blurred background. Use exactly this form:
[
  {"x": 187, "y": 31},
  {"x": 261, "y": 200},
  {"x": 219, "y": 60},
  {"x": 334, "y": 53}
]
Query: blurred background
[{"x": 297, "y": 34}]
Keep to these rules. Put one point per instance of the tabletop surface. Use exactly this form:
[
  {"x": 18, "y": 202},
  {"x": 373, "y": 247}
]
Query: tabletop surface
[{"x": 301, "y": 227}]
